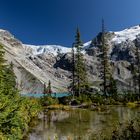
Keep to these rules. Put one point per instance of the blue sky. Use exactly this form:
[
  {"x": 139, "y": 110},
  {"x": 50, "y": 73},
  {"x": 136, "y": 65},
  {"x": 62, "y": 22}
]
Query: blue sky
[{"x": 55, "y": 21}]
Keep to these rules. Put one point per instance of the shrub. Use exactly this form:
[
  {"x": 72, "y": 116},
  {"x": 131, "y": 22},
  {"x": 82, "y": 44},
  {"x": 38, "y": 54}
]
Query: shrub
[
  {"x": 130, "y": 132},
  {"x": 48, "y": 100},
  {"x": 20, "y": 119}
]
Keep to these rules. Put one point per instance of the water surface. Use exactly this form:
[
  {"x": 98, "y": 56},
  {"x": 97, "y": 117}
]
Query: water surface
[
  {"x": 81, "y": 124},
  {"x": 39, "y": 95}
]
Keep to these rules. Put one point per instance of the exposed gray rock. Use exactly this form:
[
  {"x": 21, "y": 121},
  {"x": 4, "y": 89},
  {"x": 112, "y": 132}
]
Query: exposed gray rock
[{"x": 36, "y": 65}]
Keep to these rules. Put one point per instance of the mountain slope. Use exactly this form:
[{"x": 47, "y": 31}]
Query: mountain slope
[
  {"x": 30, "y": 77},
  {"x": 36, "y": 65}
]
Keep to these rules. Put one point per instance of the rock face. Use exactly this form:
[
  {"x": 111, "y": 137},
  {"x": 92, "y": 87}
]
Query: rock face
[{"x": 36, "y": 65}]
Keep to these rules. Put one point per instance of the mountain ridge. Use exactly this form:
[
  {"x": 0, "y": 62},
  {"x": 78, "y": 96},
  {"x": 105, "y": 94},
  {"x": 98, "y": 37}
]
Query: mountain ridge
[
  {"x": 36, "y": 65},
  {"x": 119, "y": 37}
]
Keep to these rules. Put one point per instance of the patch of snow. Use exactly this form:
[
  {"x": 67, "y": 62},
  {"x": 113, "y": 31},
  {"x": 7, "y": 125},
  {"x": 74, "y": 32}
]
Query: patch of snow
[
  {"x": 127, "y": 34},
  {"x": 1, "y": 30},
  {"x": 52, "y": 49},
  {"x": 87, "y": 44}
]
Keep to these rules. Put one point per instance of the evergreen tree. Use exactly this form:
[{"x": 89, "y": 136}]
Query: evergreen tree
[
  {"x": 105, "y": 70},
  {"x": 113, "y": 88},
  {"x": 45, "y": 89},
  {"x": 15, "y": 111},
  {"x": 49, "y": 89},
  {"x": 134, "y": 77},
  {"x": 11, "y": 75},
  {"x": 71, "y": 87},
  {"x": 9, "y": 96},
  {"x": 2, "y": 60},
  {"x": 80, "y": 81},
  {"x": 73, "y": 71},
  {"x": 2, "y": 66},
  {"x": 137, "y": 67}
]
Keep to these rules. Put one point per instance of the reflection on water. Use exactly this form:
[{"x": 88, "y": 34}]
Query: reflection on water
[{"x": 81, "y": 124}]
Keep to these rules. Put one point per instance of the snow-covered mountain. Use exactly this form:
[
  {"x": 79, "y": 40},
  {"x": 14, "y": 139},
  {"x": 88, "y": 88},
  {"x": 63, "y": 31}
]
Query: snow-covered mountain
[
  {"x": 36, "y": 65},
  {"x": 49, "y": 49},
  {"x": 118, "y": 37},
  {"x": 127, "y": 34}
]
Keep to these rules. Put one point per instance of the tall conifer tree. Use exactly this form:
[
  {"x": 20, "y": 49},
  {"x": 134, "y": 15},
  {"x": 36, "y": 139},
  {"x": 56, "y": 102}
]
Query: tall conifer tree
[
  {"x": 73, "y": 71},
  {"x": 80, "y": 82},
  {"x": 105, "y": 70},
  {"x": 49, "y": 88},
  {"x": 137, "y": 67}
]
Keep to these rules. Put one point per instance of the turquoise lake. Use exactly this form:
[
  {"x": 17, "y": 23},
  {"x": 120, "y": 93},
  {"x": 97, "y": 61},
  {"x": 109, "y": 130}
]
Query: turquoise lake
[{"x": 39, "y": 95}]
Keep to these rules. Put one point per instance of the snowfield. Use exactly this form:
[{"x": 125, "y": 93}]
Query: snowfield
[
  {"x": 127, "y": 34},
  {"x": 49, "y": 49}
]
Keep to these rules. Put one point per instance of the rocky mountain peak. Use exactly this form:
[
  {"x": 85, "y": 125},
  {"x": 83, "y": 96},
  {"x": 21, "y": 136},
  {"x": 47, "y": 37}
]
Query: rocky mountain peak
[{"x": 36, "y": 65}]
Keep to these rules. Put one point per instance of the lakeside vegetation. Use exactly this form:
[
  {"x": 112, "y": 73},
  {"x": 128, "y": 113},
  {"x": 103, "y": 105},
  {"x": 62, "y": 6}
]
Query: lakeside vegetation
[{"x": 16, "y": 112}]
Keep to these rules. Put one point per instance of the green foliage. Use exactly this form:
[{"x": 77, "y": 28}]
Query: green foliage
[
  {"x": 65, "y": 100},
  {"x": 15, "y": 112},
  {"x": 48, "y": 89},
  {"x": 48, "y": 100},
  {"x": 130, "y": 132},
  {"x": 20, "y": 119},
  {"x": 128, "y": 96},
  {"x": 108, "y": 85},
  {"x": 80, "y": 83},
  {"x": 84, "y": 99},
  {"x": 102, "y": 100},
  {"x": 97, "y": 98},
  {"x": 136, "y": 71},
  {"x": 113, "y": 88},
  {"x": 105, "y": 72}
]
